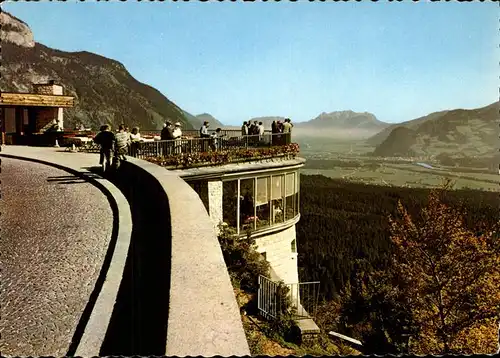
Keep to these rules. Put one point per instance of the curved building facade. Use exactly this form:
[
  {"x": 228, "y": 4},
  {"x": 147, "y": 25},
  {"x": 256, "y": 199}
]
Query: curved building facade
[{"x": 260, "y": 199}]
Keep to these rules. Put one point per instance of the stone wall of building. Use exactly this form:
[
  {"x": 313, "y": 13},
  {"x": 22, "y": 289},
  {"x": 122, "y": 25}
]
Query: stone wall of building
[
  {"x": 49, "y": 89},
  {"x": 215, "y": 201},
  {"x": 278, "y": 251}
]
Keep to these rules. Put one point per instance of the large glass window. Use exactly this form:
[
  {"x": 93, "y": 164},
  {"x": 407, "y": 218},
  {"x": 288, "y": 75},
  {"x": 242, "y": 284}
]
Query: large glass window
[
  {"x": 230, "y": 203},
  {"x": 297, "y": 191},
  {"x": 262, "y": 202},
  {"x": 277, "y": 195},
  {"x": 290, "y": 199},
  {"x": 247, "y": 202}
]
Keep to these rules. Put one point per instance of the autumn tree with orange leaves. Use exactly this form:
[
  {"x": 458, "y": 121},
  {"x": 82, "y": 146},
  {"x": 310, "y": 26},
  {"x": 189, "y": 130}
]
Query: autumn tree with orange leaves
[{"x": 449, "y": 277}]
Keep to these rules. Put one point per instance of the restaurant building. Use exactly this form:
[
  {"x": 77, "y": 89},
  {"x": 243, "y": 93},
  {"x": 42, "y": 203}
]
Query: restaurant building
[{"x": 33, "y": 118}]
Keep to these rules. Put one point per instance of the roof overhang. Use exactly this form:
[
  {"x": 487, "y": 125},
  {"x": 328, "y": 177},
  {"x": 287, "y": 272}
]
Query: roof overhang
[{"x": 35, "y": 100}]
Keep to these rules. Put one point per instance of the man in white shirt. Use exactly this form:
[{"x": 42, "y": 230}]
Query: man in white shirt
[
  {"x": 204, "y": 130},
  {"x": 287, "y": 129},
  {"x": 261, "y": 130},
  {"x": 204, "y": 135},
  {"x": 177, "y": 134}
]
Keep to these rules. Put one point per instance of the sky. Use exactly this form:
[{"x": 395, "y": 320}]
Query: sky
[{"x": 238, "y": 60}]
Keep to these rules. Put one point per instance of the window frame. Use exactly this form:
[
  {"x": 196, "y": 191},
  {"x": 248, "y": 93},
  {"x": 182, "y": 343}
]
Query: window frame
[{"x": 283, "y": 174}]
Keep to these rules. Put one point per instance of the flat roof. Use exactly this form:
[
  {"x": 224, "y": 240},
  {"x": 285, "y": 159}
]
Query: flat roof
[
  {"x": 250, "y": 168},
  {"x": 35, "y": 100}
]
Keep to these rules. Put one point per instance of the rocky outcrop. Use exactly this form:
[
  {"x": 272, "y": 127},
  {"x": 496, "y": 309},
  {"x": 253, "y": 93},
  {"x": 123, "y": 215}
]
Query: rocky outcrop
[
  {"x": 15, "y": 31},
  {"x": 104, "y": 90}
]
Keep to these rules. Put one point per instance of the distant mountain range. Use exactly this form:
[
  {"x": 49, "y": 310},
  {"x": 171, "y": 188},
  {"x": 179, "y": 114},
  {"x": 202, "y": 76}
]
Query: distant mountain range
[
  {"x": 454, "y": 133},
  {"x": 197, "y": 121},
  {"x": 345, "y": 120},
  {"x": 411, "y": 124},
  {"x": 339, "y": 124},
  {"x": 104, "y": 90}
]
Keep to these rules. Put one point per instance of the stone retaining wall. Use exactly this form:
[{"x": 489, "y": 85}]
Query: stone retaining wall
[{"x": 203, "y": 316}]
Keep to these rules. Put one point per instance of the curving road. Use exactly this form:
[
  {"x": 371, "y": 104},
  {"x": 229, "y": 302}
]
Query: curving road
[{"x": 55, "y": 230}]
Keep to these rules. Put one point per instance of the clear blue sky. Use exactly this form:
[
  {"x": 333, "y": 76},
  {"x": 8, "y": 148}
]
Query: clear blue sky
[{"x": 242, "y": 60}]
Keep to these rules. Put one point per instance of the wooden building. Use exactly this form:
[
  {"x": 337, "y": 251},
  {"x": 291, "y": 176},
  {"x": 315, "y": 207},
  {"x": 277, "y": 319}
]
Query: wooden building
[{"x": 26, "y": 117}]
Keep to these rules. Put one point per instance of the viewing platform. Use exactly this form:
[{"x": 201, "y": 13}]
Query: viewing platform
[{"x": 192, "y": 151}]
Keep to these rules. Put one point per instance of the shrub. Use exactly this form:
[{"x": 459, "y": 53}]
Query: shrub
[{"x": 243, "y": 261}]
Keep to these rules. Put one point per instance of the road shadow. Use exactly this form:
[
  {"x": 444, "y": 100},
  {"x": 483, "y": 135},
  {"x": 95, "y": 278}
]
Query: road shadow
[
  {"x": 74, "y": 179},
  {"x": 138, "y": 324}
]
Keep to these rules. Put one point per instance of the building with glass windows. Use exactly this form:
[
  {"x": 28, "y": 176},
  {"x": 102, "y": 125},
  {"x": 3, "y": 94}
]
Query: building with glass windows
[{"x": 260, "y": 199}]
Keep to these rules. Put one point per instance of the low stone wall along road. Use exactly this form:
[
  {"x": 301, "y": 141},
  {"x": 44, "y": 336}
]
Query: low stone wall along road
[{"x": 55, "y": 231}]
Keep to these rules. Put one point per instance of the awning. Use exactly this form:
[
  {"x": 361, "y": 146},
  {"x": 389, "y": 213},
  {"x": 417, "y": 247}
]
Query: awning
[{"x": 35, "y": 100}]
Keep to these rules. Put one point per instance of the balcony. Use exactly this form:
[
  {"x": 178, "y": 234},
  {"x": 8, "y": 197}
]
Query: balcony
[{"x": 191, "y": 151}]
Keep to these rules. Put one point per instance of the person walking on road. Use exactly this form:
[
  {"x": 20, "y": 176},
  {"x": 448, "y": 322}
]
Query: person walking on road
[
  {"x": 122, "y": 143},
  {"x": 105, "y": 139}
]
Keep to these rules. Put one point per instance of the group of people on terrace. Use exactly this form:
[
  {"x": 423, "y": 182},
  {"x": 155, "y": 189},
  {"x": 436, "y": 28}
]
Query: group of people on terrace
[
  {"x": 171, "y": 131},
  {"x": 115, "y": 145},
  {"x": 277, "y": 129}
]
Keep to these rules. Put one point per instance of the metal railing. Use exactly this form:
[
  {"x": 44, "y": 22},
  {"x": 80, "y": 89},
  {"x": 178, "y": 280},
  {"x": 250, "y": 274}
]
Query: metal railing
[
  {"x": 199, "y": 145},
  {"x": 274, "y": 299},
  {"x": 196, "y": 132}
]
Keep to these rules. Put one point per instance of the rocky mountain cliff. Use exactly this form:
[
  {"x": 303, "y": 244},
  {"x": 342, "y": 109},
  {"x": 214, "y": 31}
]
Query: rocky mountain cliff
[
  {"x": 459, "y": 132},
  {"x": 104, "y": 90}
]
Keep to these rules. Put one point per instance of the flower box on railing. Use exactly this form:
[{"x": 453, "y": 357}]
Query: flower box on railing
[{"x": 214, "y": 158}]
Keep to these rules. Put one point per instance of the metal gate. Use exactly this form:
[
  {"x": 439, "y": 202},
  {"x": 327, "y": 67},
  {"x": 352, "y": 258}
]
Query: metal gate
[{"x": 274, "y": 299}]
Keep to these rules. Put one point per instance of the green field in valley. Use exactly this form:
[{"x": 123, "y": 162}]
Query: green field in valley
[{"x": 351, "y": 160}]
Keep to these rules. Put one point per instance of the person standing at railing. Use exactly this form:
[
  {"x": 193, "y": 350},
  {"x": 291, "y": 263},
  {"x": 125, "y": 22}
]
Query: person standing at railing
[
  {"x": 204, "y": 135},
  {"x": 204, "y": 130},
  {"x": 105, "y": 139},
  {"x": 217, "y": 139},
  {"x": 244, "y": 129},
  {"x": 274, "y": 131},
  {"x": 177, "y": 134},
  {"x": 261, "y": 130},
  {"x": 279, "y": 130},
  {"x": 244, "y": 133},
  {"x": 287, "y": 130},
  {"x": 254, "y": 132},
  {"x": 135, "y": 138},
  {"x": 167, "y": 133},
  {"x": 251, "y": 128}
]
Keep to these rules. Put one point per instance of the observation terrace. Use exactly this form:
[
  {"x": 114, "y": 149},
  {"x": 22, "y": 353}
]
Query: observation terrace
[
  {"x": 174, "y": 295},
  {"x": 191, "y": 151}
]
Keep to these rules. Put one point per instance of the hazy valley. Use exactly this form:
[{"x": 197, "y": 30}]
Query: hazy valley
[{"x": 456, "y": 144}]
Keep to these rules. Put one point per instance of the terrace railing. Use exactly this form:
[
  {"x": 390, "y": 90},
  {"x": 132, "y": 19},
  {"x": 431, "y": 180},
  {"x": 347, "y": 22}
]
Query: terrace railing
[
  {"x": 198, "y": 145},
  {"x": 196, "y": 132}
]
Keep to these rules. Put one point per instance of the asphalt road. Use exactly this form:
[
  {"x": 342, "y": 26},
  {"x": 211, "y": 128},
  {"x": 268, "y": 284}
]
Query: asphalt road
[{"x": 55, "y": 230}]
